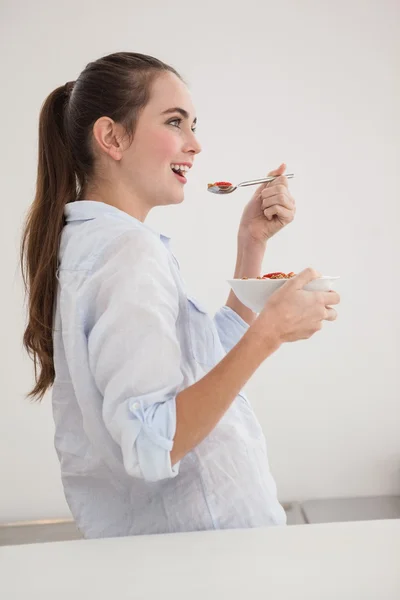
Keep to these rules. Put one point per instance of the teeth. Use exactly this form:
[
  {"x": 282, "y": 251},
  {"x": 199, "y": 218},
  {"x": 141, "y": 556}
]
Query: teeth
[{"x": 182, "y": 168}]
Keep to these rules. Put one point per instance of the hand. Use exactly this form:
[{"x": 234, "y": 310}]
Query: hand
[
  {"x": 270, "y": 208},
  {"x": 292, "y": 313}
]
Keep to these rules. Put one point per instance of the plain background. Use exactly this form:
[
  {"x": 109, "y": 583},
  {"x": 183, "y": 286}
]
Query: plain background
[{"x": 310, "y": 83}]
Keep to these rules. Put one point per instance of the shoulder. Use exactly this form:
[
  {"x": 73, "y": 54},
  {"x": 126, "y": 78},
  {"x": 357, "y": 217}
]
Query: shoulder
[{"x": 86, "y": 246}]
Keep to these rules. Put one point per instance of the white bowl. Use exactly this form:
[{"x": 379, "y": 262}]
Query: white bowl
[{"x": 254, "y": 293}]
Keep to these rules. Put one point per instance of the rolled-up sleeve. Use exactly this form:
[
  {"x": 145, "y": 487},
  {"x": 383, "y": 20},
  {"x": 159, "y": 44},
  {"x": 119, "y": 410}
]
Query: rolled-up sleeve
[
  {"x": 134, "y": 353},
  {"x": 230, "y": 326}
]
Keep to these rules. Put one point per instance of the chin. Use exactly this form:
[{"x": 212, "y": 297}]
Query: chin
[{"x": 175, "y": 199}]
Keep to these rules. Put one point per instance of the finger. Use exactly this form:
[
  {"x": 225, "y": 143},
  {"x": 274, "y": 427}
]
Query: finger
[
  {"x": 284, "y": 214},
  {"x": 279, "y": 171},
  {"x": 274, "y": 189},
  {"x": 280, "y": 180},
  {"x": 304, "y": 277},
  {"x": 330, "y": 315},
  {"x": 330, "y": 298},
  {"x": 285, "y": 200}
]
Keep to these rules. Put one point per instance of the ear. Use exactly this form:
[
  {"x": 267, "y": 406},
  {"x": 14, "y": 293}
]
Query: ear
[{"x": 108, "y": 136}]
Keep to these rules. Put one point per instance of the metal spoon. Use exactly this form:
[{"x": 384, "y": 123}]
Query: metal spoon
[{"x": 217, "y": 189}]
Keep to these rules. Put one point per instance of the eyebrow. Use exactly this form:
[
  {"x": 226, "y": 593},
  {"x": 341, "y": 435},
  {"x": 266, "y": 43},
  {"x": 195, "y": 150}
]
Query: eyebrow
[{"x": 181, "y": 111}]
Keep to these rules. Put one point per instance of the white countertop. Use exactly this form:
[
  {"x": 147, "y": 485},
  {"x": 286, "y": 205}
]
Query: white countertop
[{"x": 354, "y": 560}]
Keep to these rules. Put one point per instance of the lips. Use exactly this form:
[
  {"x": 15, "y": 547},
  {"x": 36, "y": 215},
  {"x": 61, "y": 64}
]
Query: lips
[{"x": 181, "y": 178}]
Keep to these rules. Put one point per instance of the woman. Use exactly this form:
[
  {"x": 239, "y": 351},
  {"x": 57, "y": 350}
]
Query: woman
[{"x": 153, "y": 432}]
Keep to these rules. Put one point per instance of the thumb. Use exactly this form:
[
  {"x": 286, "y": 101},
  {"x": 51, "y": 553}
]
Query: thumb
[
  {"x": 277, "y": 172},
  {"x": 300, "y": 280}
]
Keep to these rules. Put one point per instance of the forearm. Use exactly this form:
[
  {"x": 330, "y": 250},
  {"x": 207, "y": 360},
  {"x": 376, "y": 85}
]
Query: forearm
[
  {"x": 248, "y": 264},
  {"x": 200, "y": 407}
]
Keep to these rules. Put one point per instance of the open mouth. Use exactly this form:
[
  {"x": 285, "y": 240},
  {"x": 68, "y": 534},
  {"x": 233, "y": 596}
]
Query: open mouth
[{"x": 179, "y": 171}]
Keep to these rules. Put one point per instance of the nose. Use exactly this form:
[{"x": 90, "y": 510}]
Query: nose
[{"x": 193, "y": 145}]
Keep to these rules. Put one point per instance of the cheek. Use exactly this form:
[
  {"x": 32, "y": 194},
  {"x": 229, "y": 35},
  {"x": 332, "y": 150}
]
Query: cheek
[{"x": 165, "y": 146}]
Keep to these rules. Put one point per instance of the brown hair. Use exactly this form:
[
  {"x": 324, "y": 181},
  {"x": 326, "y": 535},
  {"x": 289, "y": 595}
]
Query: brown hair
[{"x": 117, "y": 86}]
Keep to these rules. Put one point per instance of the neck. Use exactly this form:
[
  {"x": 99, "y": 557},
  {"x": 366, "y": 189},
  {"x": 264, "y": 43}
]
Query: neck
[{"x": 117, "y": 196}]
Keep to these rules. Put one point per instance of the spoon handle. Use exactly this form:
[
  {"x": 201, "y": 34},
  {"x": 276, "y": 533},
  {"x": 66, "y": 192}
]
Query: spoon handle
[{"x": 264, "y": 180}]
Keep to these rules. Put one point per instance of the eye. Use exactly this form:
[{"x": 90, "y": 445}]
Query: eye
[{"x": 179, "y": 121}]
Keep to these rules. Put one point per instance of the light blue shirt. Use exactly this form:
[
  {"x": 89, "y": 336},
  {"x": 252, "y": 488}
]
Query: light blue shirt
[{"x": 127, "y": 339}]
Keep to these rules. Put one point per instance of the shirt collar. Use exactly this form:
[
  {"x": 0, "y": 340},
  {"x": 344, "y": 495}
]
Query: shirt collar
[{"x": 86, "y": 210}]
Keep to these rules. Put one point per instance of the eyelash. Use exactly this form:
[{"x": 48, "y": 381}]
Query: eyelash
[{"x": 180, "y": 121}]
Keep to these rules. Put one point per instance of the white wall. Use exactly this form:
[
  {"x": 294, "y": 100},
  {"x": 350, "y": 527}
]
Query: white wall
[{"x": 313, "y": 84}]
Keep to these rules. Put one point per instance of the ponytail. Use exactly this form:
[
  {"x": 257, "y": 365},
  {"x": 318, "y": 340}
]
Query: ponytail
[{"x": 55, "y": 186}]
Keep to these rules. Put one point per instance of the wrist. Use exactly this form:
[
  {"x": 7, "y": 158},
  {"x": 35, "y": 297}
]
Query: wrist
[
  {"x": 266, "y": 329},
  {"x": 250, "y": 244},
  {"x": 250, "y": 256}
]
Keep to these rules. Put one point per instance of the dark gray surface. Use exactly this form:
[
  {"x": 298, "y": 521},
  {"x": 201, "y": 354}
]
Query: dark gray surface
[
  {"x": 294, "y": 514},
  {"x": 34, "y": 533},
  {"x": 331, "y": 510}
]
